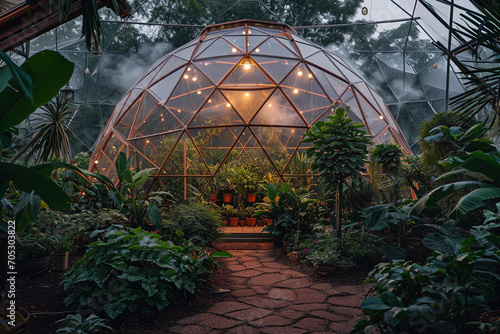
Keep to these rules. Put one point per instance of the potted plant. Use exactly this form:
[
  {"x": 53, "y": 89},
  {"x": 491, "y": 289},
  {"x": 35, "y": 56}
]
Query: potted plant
[
  {"x": 242, "y": 214},
  {"x": 324, "y": 260},
  {"x": 249, "y": 212},
  {"x": 34, "y": 252},
  {"x": 60, "y": 246},
  {"x": 213, "y": 189},
  {"x": 251, "y": 187},
  {"x": 227, "y": 191},
  {"x": 229, "y": 211},
  {"x": 77, "y": 324}
]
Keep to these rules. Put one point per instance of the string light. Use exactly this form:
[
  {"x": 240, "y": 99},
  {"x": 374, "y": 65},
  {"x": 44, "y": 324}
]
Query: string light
[
  {"x": 247, "y": 94},
  {"x": 228, "y": 105},
  {"x": 195, "y": 78},
  {"x": 210, "y": 101},
  {"x": 96, "y": 162},
  {"x": 234, "y": 50},
  {"x": 295, "y": 91},
  {"x": 246, "y": 66},
  {"x": 186, "y": 76},
  {"x": 178, "y": 110},
  {"x": 299, "y": 73},
  {"x": 189, "y": 69},
  {"x": 381, "y": 117},
  {"x": 310, "y": 75},
  {"x": 257, "y": 50},
  {"x": 198, "y": 92},
  {"x": 269, "y": 105}
]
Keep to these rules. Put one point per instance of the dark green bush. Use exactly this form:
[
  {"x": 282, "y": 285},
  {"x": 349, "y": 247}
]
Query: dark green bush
[
  {"x": 129, "y": 271},
  {"x": 199, "y": 222}
]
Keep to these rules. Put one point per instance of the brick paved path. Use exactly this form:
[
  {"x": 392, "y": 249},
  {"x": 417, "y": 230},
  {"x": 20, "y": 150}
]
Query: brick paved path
[{"x": 269, "y": 297}]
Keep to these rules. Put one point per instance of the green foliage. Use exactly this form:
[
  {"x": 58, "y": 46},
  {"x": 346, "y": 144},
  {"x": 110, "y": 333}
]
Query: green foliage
[
  {"x": 76, "y": 324},
  {"x": 61, "y": 243},
  {"x": 33, "y": 244},
  {"x": 82, "y": 160},
  {"x": 388, "y": 156},
  {"x": 227, "y": 210},
  {"x": 440, "y": 296},
  {"x": 129, "y": 271},
  {"x": 199, "y": 222}
]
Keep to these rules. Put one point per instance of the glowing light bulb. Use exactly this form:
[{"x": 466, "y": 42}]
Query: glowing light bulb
[
  {"x": 195, "y": 78},
  {"x": 293, "y": 131},
  {"x": 189, "y": 69},
  {"x": 96, "y": 162},
  {"x": 247, "y": 94},
  {"x": 249, "y": 32},
  {"x": 299, "y": 73},
  {"x": 147, "y": 141},
  {"x": 269, "y": 105},
  {"x": 234, "y": 50},
  {"x": 206, "y": 64},
  {"x": 243, "y": 33},
  {"x": 210, "y": 101},
  {"x": 114, "y": 147},
  {"x": 310, "y": 75},
  {"x": 178, "y": 110},
  {"x": 87, "y": 71},
  {"x": 364, "y": 11},
  {"x": 228, "y": 105},
  {"x": 246, "y": 66},
  {"x": 198, "y": 92},
  {"x": 162, "y": 120},
  {"x": 186, "y": 76},
  {"x": 381, "y": 117},
  {"x": 161, "y": 115},
  {"x": 295, "y": 91},
  {"x": 83, "y": 193},
  {"x": 257, "y": 50}
]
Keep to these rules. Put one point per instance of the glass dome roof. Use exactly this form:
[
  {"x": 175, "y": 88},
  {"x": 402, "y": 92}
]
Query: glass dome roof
[{"x": 241, "y": 89}]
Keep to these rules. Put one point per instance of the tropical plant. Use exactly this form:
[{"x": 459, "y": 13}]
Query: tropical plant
[
  {"x": 61, "y": 243},
  {"x": 338, "y": 153},
  {"x": 388, "y": 156},
  {"x": 76, "y": 324},
  {"x": 52, "y": 132},
  {"x": 227, "y": 210},
  {"x": 482, "y": 27},
  {"x": 33, "y": 244},
  {"x": 133, "y": 270}
]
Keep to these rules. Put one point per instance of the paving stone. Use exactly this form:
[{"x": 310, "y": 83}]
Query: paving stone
[
  {"x": 352, "y": 289},
  {"x": 283, "y": 294},
  {"x": 291, "y": 314},
  {"x": 351, "y": 311},
  {"x": 308, "y": 296},
  {"x": 263, "y": 302},
  {"x": 293, "y": 273},
  {"x": 218, "y": 322},
  {"x": 272, "y": 320},
  {"x": 237, "y": 280},
  {"x": 247, "y": 273},
  {"x": 250, "y": 314},
  {"x": 310, "y": 307},
  {"x": 195, "y": 319},
  {"x": 243, "y": 330},
  {"x": 251, "y": 264},
  {"x": 282, "y": 330},
  {"x": 313, "y": 324},
  {"x": 260, "y": 289},
  {"x": 266, "y": 258},
  {"x": 227, "y": 306},
  {"x": 243, "y": 293},
  {"x": 350, "y": 301},
  {"x": 275, "y": 265},
  {"x": 294, "y": 283},
  {"x": 321, "y": 286},
  {"x": 329, "y": 315},
  {"x": 191, "y": 329},
  {"x": 269, "y": 270},
  {"x": 236, "y": 267},
  {"x": 247, "y": 258},
  {"x": 267, "y": 279}
]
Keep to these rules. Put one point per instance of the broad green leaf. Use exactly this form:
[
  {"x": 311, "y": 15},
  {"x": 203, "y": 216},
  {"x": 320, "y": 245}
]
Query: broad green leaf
[
  {"x": 12, "y": 72},
  {"x": 49, "y": 71},
  {"x": 26, "y": 210},
  {"x": 440, "y": 243},
  {"x": 483, "y": 163},
  {"x": 474, "y": 199},
  {"x": 373, "y": 303},
  {"x": 28, "y": 180},
  {"x": 155, "y": 216},
  {"x": 142, "y": 176}
]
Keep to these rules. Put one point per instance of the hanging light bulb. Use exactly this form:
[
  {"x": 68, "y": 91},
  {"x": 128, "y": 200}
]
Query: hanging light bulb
[
  {"x": 198, "y": 92},
  {"x": 310, "y": 75},
  {"x": 257, "y": 50},
  {"x": 234, "y": 50},
  {"x": 364, "y": 11},
  {"x": 195, "y": 78},
  {"x": 299, "y": 73},
  {"x": 87, "y": 71},
  {"x": 186, "y": 76},
  {"x": 210, "y": 101},
  {"x": 295, "y": 91},
  {"x": 96, "y": 162},
  {"x": 247, "y": 94},
  {"x": 228, "y": 105},
  {"x": 189, "y": 69},
  {"x": 381, "y": 117},
  {"x": 246, "y": 66}
]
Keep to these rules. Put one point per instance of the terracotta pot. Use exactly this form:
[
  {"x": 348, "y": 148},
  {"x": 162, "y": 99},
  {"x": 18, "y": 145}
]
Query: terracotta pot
[
  {"x": 213, "y": 198},
  {"x": 344, "y": 268},
  {"x": 59, "y": 261},
  {"x": 260, "y": 222},
  {"x": 227, "y": 198},
  {"x": 285, "y": 245},
  {"x": 323, "y": 270},
  {"x": 251, "y": 198},
  {"x": 233, "y": 221},
  {"x": 242, "y": 222},
  {"x": 294, "y": 256},
  {"x": 269, "y": 221},
  {"x": 251, "y": 222}
]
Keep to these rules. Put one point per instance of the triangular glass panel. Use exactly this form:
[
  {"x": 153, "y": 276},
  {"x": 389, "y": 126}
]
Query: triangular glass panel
[
  {"x": 114, "y": 147},
  {"x": 248, "y": 149},
  {"x": 219, "y": 48},
  {"x": 215, "y": 143},
  {"x": 350, "y": 113},
  {"x": 276, "y": 68},
  {"x": 374, "y": 120},
  {"x": 146, "y": 108},
  {"x": 321, "y": 60},
  {"x": 124, "y": 104},
  {"x": 186, "y": 53},
  {"x": 105, "y": 165},
  {"x": 217, "y": 68},
  {"x": 172, "y": 64},
  {"x": 204, "y": 45},
  {"x": 239, "y": 41},
  {"x": 277, "y": 111},
  {"x": 246, "y": 75},
  {"x": 254, "y": 41},
  {"x": 289, "y": 45},
  {"x": 194, "y": 187},
  {"x": 147, "y": 78},
  {"x": 156, "y": 148},
  {"x": 271, "y": 47},
  {"x": 139, "y": 161},
  {"x": 385, "y": 138},
  {"x": 216, "y": 111},
  {"x": 307, "y": 49},
  {"x": 236, "y": 32},
  {"x": 247, "y": 103},
  {"x": 184, "y": 159},
  {"x": 163, "y": 88},
  {"x": 325, "y": 80},
  {"x": 190, "y": 93},
  {"x": 305, "y": 93},
  {"x": 160, "y": 120},
  {"x": 349, "y": 73},
  {"x": 125, "y": 124}
]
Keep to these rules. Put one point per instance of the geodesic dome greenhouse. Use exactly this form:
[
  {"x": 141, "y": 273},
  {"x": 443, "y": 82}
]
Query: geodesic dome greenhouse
[{"x": 245, "y": 91}]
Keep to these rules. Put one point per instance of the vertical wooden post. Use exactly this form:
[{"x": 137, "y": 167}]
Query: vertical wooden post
[{"x": 185, "y": 171}]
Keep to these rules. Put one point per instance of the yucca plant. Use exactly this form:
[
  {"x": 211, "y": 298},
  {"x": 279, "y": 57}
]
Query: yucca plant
[{"x": 52, "y": 132}]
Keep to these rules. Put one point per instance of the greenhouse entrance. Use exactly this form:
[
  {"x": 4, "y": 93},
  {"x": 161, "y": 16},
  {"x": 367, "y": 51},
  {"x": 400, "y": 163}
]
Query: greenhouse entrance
[{"x": 229, "y": 109}]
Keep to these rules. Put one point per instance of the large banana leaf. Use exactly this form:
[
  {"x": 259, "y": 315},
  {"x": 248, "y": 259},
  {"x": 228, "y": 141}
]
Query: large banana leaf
[
  {"x": 49, "y": 71},
  {"x": 483, "y": 163},
  {"x": 443, "y": 191},
  {"x": 29, "y": 180},
  {"x": 474, "y": 199}
]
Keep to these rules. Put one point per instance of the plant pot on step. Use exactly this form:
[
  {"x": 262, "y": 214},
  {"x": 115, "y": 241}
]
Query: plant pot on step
[
  {"x": 251, "y": 198},
  {"x": 59, "y": 261},
  {"x": 268, "y": 221},
  {"x": 213, "y": 198},
  {"x": 242, "y": 222},
  {"x": 260, "y": 222},
  {"x": 323, "y": 270},
  {"x": 345, "y": 268},
  {"x": 227, "y": 198},
  {"x": 251, "y": 222},
  {"x": 233, "y": 221}
]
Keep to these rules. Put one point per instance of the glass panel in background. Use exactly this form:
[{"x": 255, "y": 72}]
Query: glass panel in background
[
  {"x": 246, "y": 76},
  {"x": 271, "y": 47},
  {"x": 247, "y": 103},
  {"x": 238, "y": 41},
  {"x": 414, "y": 114},
  {"x": 168, "y": 66},
  {"x": 219, "y": 48},
  {"x": 276, "y": 68},
  {"x": 217, "y": 68},
  {"x": 139, "y": 162},
  {"x": 160, "y": 120},
  {"x": 277, "y": 111},
  {"x": 254, "y": 41},
  {"x": 156, "y": 148},
  {"x": 124, "y": 125},
  {"x": 114, "y": 147},
  {"x": 163, "y": 88},
  {"x": 216, "y": 111},
  {"x": 184, "y": 158}
]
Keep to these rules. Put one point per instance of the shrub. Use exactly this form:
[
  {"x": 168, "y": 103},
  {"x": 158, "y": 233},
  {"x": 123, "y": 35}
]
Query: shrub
[
  {"x": 199, "y": 223},
  {"x": 135, "y": 270}
]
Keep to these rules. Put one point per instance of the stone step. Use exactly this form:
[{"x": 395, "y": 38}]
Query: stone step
[{"x": 248, "y": 237}]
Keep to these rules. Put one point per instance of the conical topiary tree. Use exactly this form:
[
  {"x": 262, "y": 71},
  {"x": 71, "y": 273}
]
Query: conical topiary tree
[{"x": 338, "y": 153}]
